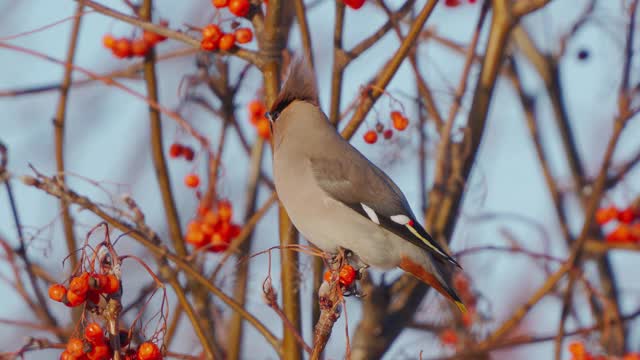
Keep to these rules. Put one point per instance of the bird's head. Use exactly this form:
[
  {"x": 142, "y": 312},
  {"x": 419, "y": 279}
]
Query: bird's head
[{"x": 298, "y": 93}]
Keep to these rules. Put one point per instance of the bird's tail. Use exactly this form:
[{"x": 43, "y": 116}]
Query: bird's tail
[{"x": 432, "y": 278}]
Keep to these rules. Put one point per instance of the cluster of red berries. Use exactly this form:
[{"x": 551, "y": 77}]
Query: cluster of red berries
[
  {"x": 236, "y": 7},
  {"x": 579, "y": 352},
  {"x": 177, "y": 150},
  {"x": 85, "y": 286},
  {"x": 399, "y": 122},
  {"x": 257, "y": 111},
  {"x": 456, "y": 3},
  {"x": 126, "y": 48},
  {"x": 627, "y": 229},
  {"x": 354, "y": 4},
  {"x": 213, "y": 229},
  {"x": 346, "y": 275},
  {"x": 463, "y": 287},
  {"x": 214, "y": 38},
  {"x": 93, "y": 346}
]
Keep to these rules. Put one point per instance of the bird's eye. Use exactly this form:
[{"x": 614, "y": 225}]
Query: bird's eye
[{"x": 272, "y": 115}]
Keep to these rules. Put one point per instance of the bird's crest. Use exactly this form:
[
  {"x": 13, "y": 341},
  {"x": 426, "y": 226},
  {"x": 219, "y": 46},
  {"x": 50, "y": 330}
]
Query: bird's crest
[{"x": 300, "y": 84}]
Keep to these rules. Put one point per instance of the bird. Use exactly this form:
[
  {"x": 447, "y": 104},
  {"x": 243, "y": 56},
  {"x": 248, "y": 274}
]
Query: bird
[{"x": 337, "y": 198}]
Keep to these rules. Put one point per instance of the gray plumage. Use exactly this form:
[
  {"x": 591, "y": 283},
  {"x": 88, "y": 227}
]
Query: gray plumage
[{"x": 338, "y": 198}]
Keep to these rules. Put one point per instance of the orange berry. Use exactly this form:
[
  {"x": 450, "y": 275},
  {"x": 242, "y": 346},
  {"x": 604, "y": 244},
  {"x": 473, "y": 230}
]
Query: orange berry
[
  {"x": 239, "y": 7},
  {"x": 208, "y": 45},
  {"x": 75, "y": 347},
  {"x": 139, "y": 47},
  {"x": 577, "y": 349},
  {"x": 149, "y": 351},
  {"x": 256, "y": 108},
  {"x": 449, "y": 337},
  {"x": 227, "y": 41},
  {"x": 207, "y": 229},
  {"x": 80, "y": 284},
  {"x": 57, "y": 292},
  {"x": 225, "y": 210},
  {"x": 399, "y": 121},
  {"x": 192, "y": 180},
  {"x": 175, "y": 150},
  {"x": 218, "y": 243},
  {"x": 212, "y": 32},
  {"x": 66, "y": 356},
  {"x": 108, "y": 41},
  {"x": 196, "y": 238},
  {"x": 93, "y": 333},
  {"x": 220, "y": 3},
  {"x": 122, "y": 48},
  {"x": 211, "y": 217},
  {"x": 387, "y": 134},
  {"x": 74, "y": 299},
  {"x": 327, "y": 276},
  {"x": 188, "y": 153},
  {"x": 112, "y": 285},
  {"x": 194, "y": 225},
  {"x": 354, "y": 4},
  {"x": 347, "y": 275},
  {"x": 243, "y": 35},
  {"x": 151, "y": 38},
  {"x": 263, "y": 127},
  {"x": 99, "y": 352},
  {"x": 620, "y": 234},
  {"x": 370, "y": 137},
  {"x": 604, "y": 215},
  {"x": 627, "y": 215}
]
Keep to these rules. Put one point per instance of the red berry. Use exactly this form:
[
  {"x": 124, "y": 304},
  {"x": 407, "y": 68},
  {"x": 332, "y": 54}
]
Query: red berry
[
  {"x": 139, "y": 47},
  {"x": 220, "y": 3},
  {"x": 208, "y": 45},
  {"x": 604, "y": 215},
  {"x": 225, "y": 210},
  {"x": 218, "y": 243},
  {"x": 99, "y": 352},
  {"x": 370, "y": 137},
  {"x": 263, "y": 127},
  {"x": 243, "y": 35},
  {"x": 449, "y": 337},
  {"x": 188, "y": 153},
  {"x": 66, "y": 356},
  {"x": 227, "y": 41},
  {"x": 451, "y": 3},
  {"x": 112, "y": 285},
  {"x": 354, "y": 4},
  {"x": 108, "y": 41},
  {"x": 122, "y": 48},
  {"x": 621, "y": 234},
  {"x": 75, "y": 347},
  {"x": 387, "y": 134},
  {"x": 175, "y": 150},
  {"x": 196, "y": 238},
  {"x": 347, "y": 275},
  {"x": 149, "y": 351},
  {"x": 80, "y": 284},
  {"x": 239, "y": 7},
  {"x": 627, "y": 215},
  {"x": 192, "y": 180},
  {"x": 93, "y": 333},
  {"x": 577, "y": 349},
  {"x": 57, "y": 292},
  {"x": 212, "y": 32},
  {"x": 74, "y": 299},
  {"x": 400, "y": 122}
]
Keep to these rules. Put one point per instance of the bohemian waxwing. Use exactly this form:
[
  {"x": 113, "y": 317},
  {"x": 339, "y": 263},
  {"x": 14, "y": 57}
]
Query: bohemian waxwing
[{"x": 337, "y": 198}]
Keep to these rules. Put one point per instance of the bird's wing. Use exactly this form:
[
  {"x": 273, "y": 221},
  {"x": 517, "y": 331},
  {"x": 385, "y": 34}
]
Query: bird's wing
[{"x": 357, "y": 183}]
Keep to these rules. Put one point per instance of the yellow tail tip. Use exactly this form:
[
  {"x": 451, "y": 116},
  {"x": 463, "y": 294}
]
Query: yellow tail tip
[{"x": 461, "y": 307}]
